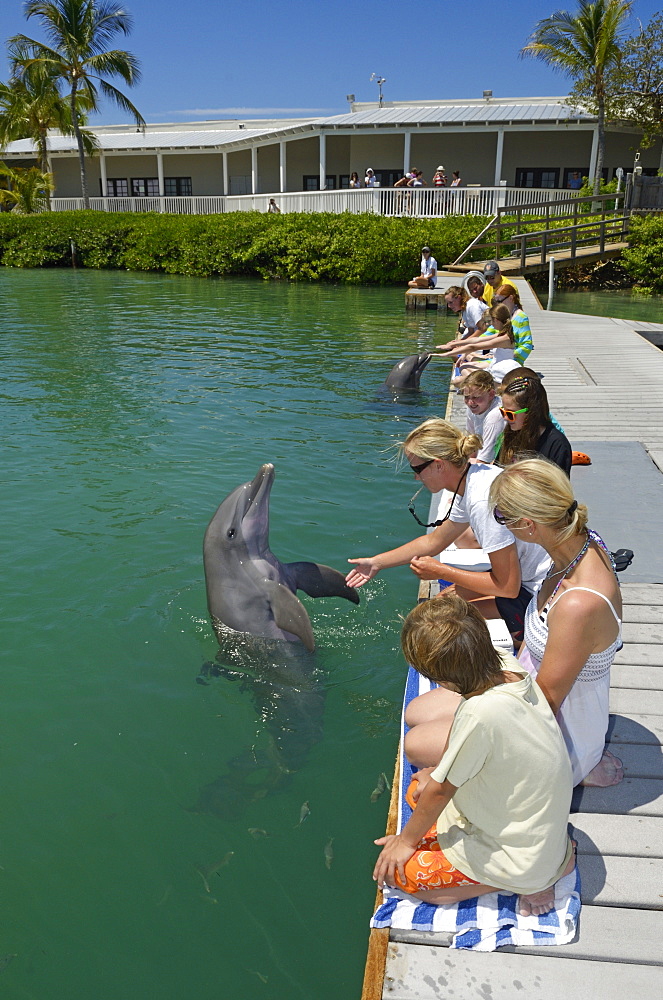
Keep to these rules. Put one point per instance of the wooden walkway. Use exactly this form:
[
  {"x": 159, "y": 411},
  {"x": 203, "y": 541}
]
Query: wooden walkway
[
  {"x": 512, "y": 265},
  {"x": 605, "y": 384}
]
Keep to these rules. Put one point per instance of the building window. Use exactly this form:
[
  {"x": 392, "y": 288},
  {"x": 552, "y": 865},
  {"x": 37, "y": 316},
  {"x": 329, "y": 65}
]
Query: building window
[
  {"x": 116, "y": 187},
  {"x": 538, "y": 177},
  {"x": 142, "y": 187},
  {"x": 177, "y": 186},
  {"x": 387, "y": 178},
  {"x": 344, "y": 181},
  {"x": 311, "y": 182}
]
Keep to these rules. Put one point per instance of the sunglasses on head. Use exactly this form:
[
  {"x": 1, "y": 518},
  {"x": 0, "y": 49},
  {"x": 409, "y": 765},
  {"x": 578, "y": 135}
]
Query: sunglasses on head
[{"x": 511, "y": 415}]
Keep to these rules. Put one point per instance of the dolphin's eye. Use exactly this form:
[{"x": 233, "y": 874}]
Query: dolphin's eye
[{"x": 231, "y": 532}]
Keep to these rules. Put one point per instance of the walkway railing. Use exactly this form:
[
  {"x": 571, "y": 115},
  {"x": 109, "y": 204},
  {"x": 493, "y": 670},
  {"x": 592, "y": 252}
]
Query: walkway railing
[{"x": 415, "y": 202}]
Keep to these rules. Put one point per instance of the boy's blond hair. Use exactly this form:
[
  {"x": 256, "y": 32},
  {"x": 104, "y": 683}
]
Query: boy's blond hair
[{"x": 448, "y": 641}]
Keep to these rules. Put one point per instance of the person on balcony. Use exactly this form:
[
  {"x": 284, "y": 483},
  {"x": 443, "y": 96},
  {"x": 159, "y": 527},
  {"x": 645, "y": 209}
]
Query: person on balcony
[
  {"x": 354, "y": 180},
  {"x": 439, "y": 178},
  {"x": 370, "y": 179},
  {"x": 456, "y": 182}
]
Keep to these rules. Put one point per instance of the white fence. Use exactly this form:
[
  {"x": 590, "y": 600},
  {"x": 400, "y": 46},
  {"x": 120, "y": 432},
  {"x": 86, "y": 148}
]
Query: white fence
[{"x": 415, "y": 202}]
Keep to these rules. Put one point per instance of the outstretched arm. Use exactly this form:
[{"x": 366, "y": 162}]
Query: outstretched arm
[
  {"x": 503, "y": 579},
  {"x": 397, "y": 850},
  {"x": 425, "y": 545}
]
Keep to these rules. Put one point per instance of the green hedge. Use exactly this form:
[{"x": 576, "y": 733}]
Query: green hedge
[
  {"x": 644, "y": 258},
  {"x": 299, "y": 247}
]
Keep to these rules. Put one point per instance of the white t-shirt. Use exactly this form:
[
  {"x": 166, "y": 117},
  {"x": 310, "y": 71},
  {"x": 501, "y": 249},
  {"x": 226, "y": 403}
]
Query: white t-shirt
[
  {"x": 473, "y": 509},
  {"x": 427, "y": 266},
  {"x": 473, "y": 311},
  {"x": 507, "y": 823},
  {"x": 488, "y": 425}
]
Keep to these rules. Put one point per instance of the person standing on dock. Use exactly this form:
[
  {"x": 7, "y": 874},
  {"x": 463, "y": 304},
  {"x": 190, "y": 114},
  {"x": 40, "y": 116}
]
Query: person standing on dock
[
  {"x": 439, "y": 456},
  {"x": 428, "y": 276},
  {"x": 494, "y": 279}
]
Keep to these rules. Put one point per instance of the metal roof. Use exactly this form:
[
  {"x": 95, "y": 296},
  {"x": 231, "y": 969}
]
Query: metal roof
[
  {"x": 474, "y": 113},
  {"x": 151, "y": 141}
]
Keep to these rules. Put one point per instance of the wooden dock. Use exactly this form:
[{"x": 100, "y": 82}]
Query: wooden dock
[{"x": 605, "y": 385}]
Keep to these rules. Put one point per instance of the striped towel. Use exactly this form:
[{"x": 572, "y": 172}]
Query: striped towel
[{"x": 484, "y": 923}]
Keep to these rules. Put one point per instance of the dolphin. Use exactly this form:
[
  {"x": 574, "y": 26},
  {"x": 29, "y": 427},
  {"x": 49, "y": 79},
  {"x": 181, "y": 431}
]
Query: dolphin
[
  {"x": 248, "y": 589},
  {"x": 406, "y": 374}
]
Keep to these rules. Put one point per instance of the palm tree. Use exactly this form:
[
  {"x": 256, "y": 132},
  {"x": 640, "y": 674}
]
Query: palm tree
[
  {"x": 28, "y": 189},
  {"x": 31, "y": 105},
  {"x": 584, "y": 45},
  {"x": 78, "y": 31}
]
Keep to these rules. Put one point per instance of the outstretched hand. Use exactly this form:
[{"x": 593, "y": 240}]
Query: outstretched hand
[
  {"x": 364, "y": 570},
  {"x": 394, "y": 856},
  {"x": 427, "y": 568}
]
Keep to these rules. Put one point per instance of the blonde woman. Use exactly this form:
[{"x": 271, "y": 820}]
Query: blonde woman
[
  {"x": 439, "y": 456},
  {"x": 573, "y": 626}
]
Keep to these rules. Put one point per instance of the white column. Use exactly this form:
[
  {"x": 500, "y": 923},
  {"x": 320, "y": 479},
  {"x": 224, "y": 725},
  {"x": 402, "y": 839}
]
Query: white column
[
  {"x": 499, "y": 152},
  {"x": 104, "y": 177},
  {"x": 160, "y": 173},
  {"x": 407, "y": 142},
  {"x": 224, "y": 157},
  {"x": 254, "y": 169},
  {"x": 593, "y": 155},
  {"x": 323, "y": 161},
  {"x": 282, "y": 167}
]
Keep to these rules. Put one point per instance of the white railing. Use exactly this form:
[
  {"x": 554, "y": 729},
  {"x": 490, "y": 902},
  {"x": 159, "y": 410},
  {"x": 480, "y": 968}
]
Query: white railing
[{"x": 415, "y": 202}]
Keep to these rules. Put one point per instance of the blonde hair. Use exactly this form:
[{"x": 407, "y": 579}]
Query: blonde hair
[
  {"x": 447, "y": 640},
  {"x": 541, "y": 491},
  {"x": 501, "y": 313},
  {"x": 478, "y": 380},
  {"x": 438, "y": 439}
]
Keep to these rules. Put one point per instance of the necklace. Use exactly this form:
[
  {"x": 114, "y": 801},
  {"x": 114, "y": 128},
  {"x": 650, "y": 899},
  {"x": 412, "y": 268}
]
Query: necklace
[{"x": 574, "y": 562}]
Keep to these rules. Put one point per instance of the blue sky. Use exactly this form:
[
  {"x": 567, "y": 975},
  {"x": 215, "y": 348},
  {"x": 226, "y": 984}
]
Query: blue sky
[{"x": 203, "y": 60}]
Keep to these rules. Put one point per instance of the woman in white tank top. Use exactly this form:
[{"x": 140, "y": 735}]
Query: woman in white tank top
[{"x": 573, "y": 624}]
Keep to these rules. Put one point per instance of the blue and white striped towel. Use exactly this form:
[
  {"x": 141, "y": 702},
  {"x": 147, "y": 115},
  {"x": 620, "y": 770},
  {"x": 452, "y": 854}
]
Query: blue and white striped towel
[{"x": 484, "y": 923}]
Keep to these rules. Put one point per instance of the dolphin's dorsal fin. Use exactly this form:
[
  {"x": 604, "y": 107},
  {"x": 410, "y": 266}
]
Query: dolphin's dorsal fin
[
  {"x": 289, "y": 613},
  {"x": 318, "y": 580}
]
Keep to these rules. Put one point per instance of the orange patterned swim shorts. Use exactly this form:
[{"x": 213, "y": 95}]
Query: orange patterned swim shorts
[{"x": 428, "y": 868}]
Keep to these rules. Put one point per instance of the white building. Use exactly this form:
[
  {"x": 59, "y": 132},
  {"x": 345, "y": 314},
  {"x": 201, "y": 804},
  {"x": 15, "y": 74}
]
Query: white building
[{"x": 522, "y": 142}]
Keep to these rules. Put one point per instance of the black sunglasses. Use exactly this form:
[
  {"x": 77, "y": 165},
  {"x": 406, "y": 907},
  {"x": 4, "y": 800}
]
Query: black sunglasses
[{"x": 418, "y": 469}]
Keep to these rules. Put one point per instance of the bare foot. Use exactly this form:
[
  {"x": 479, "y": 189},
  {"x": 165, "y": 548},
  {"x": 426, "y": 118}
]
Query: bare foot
[
  {"x": 608, "y": 771},
  {"x": 537, "y": 903}
]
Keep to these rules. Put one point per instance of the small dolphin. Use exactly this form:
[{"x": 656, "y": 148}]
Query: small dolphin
[
  {"x": 406, "y": 374},
  {"x": 248, "y": 589}
]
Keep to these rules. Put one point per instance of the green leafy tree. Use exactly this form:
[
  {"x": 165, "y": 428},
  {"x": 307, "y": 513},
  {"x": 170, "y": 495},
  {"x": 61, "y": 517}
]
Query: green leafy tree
[
  {"x": 27, "y": 189},
  {"x": 78, "y": 32},
  {"x": 586, "y": 46},
  {"x": 32, "y": 104}
]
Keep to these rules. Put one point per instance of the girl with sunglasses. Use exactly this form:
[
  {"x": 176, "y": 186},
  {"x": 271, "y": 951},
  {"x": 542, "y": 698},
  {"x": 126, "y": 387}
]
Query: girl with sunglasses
[
  {"x": 439, "y": 456},
  {"x": 573, "y": 625},
  {"x": 528, "y": 424}
]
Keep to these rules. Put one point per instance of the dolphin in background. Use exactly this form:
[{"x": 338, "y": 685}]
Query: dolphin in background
[
  {"x": 248, "y": 588},
  {"x": 407, "y": 373}
]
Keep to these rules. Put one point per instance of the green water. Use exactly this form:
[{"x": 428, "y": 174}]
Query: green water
[
  {"x": 132, "y": 404},
  {"x": 617, "y": 303}
]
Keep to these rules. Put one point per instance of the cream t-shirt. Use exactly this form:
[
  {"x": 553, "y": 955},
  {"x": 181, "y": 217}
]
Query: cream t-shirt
[{"x": 507, "y": 822}]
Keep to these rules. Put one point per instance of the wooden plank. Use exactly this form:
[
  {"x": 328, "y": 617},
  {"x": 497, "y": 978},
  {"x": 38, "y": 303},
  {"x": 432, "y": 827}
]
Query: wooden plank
[
  {"x": 639, "y": 761},
  {"x": 647, "y": 614},
  {"x": 630, "y": 675},
  {"x": 601, "y": 938},
  {"x": 637, "y": 593},
  {"x": 630, "y": 836},
  {"x": 633, "y": 728},
  {"x": 636, "y": 632},
  {"x": 629, "y": 701},
  {"x": 378, "y": 938},
  {"x": 621, "y": 881},
  {"x": 636, "y": 796},
  {"x": 416, "y": 972}
]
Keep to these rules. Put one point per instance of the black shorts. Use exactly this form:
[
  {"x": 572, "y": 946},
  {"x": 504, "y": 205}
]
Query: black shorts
[
  {"x": 431, "y": 283},
  {"x": 512, "y": 610}
]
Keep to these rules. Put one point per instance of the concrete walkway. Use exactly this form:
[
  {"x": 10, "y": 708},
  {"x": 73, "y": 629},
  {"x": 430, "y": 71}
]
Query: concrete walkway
[{"x": 605, "y": 385}]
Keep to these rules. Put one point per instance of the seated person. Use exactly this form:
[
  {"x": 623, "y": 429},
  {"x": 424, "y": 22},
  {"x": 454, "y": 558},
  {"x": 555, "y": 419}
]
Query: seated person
[
  {"x": 529, "y": 427},
  {"x": 428, "y": 276},
  {"x": 493, "y": 798}
]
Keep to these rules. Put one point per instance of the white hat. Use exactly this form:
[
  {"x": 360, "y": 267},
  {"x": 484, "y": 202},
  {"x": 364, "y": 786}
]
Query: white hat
[
  {"x": 440, "y": 168},
  {"x": 502, "y": 368},
  {"x": 369, "y": 170}
]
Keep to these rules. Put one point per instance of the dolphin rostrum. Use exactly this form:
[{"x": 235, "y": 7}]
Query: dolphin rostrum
[
  {"x": 248, "y": 589},
  {"x": 406, "y": 374}
]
